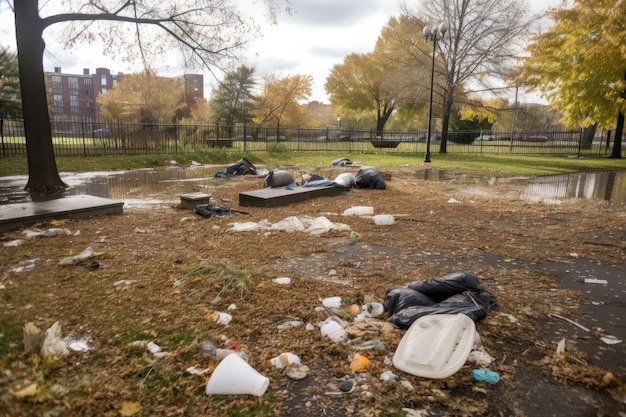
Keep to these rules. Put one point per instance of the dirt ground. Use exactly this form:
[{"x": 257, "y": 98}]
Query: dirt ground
[{"x": 161, "y": 272}]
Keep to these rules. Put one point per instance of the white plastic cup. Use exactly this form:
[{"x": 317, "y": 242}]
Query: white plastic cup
[
  {"x": 331, "y": 302},
  {"x": 384, "y": 219},
  {"x": 233, "y": 376}
]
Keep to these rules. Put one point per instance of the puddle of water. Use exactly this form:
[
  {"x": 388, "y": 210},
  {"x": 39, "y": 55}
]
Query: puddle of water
[
  {"x": 609, "y": 186},
  {"x": 142, "y": 186}
]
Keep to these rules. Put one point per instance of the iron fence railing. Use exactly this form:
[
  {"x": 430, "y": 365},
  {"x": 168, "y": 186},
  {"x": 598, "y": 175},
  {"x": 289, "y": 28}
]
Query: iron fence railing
[{"x": 99, "y": 138}]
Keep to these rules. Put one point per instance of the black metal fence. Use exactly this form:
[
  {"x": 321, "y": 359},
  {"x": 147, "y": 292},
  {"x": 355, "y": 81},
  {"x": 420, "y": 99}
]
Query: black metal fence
[{"x": 89, "y": 138}]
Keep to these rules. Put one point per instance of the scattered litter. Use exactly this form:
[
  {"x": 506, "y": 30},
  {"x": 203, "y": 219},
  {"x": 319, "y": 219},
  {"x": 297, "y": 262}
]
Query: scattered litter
[
  {"x": 341, "y": 162},
  {"x": 86, "y": 255},
  {"x": 290, "y": 324},
  {"x": 196, "y": 370},
  {"x": 560, "y": 348},
  {"x": 373, "y": 309},
  {"x": 454, "y": 293},
  {"x": 580, "y": 326},
  {"x": 389, "y": 376},
  {"x": 453, "y": 201},
  {"x": 234, "y": 376},
  {"x": 124, "y": 282},
  {"x": 283, "y": 360},
  {"x": 216, "y": 211},
  {"x": 13, "y": 243},
  {"x": 282, "y": 280},
  {"x": 359, "y": 211},
  {"x": 384, "y": 219},
  {"x": 33, "y": 337},
  {"x": 221, "y": 318},
  {"x": 369, "y": 177},
  {"x": 54, "y": 347},
  {"x": 595, "y": 281},
  {"x": 153, "y": 347},
  {"x": 304, "y": 224},
  {"x": 347, "y": 386},
  {"x": 511, "y": 318},
  {"x": 30, "y": 265},
  {"x": 79, "y": 344},
  {"x": 359, "y": 363},
  {"x": 46, "y": 233},
  {"x": 207, "y": 347},
  {"x": 332, "y": 302},
  {"x": 297, "y": 371},
  {"x": 332, "y": 329},
  {"x": 346, "y": 179},
  {"x": 610, "y": 340},
  {"x": 232, "y": 306},
  {"x": 241, "y": 167},
  {"x": 436, "y": 346},
  {"x": 485, "y": 375}
]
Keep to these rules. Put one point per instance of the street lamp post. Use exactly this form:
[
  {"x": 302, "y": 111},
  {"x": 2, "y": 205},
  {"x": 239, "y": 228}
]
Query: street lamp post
[
  {"x": 432, "y": 33},
  {"x": 338, "y": 121}
]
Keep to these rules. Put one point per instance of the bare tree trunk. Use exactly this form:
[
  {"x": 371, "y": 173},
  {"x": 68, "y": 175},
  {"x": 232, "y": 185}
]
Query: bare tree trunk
[
  {"x": 619, "y": 131},
  {"x": 43, "y": 176},
  {"x": 588, "y": 134}
]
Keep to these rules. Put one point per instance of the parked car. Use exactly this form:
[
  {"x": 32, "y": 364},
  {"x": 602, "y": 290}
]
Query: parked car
[
  {"x": 484, "y": 137},
  {"x": 537, "y": 138}
]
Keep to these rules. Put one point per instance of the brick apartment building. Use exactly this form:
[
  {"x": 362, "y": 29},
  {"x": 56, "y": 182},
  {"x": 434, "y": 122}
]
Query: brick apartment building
[{"x": 73, "y": 97}]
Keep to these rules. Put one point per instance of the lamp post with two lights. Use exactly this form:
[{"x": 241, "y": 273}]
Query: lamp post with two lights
[{"x": 432, "y": 33}]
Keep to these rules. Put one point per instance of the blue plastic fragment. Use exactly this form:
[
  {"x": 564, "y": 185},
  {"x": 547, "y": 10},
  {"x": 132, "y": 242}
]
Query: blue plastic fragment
[{"x": 485, "y": 375}]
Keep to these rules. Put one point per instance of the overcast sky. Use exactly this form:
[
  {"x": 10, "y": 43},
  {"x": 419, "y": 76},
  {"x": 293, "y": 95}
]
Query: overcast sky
[{"x": 317, "y": 36}]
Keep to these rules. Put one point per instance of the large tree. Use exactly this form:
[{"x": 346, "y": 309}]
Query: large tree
[
  {"x": 359, "y": 84},
  {"x": 10, "y": 104},
  {"x": 233, "y": 100},
  {"x": 142, "y": 98},
  {"x": 579, "y": 65},
  {"x": 279, "y": 102},
  {"x": 482, "y": 39},
  {"x": 206, "y": 32}
]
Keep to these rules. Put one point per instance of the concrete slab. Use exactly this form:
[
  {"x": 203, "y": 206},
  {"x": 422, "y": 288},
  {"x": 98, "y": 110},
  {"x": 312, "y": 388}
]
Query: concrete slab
[
  {"x": 274, "y": 197},
  {"x": 191, "y": 200},
  {"x": 14, "y": 216}
]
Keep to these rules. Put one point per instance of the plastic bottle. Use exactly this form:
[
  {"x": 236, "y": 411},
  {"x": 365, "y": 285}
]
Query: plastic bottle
[
  {"x": 283, "y": 360},
  {"x": 334, "y": 331}
]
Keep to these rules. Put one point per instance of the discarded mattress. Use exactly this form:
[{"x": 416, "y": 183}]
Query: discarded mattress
[
  {"x": 436, "y": 346},
  {"x": 457, "y": 293}
]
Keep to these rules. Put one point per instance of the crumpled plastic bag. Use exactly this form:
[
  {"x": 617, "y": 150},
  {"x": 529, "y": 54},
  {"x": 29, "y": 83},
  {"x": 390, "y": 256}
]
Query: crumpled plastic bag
[
  {"x": 303, "y": 224},
  {"x": 369, "y": 177},
  {"x": 54, "y": 347}
]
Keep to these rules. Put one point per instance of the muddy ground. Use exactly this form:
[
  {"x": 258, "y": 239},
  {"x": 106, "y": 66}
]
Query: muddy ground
[{"x": 161, "y": 271}]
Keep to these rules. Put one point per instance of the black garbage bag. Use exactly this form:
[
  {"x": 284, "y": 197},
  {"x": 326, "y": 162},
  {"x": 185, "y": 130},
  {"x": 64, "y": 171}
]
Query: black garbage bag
[
  {"x": 369, "y": 177},
  {"x": 457, "y": 293},
  {"x": 401, "y": 298},
  {"x": 341, "y": 162},
  {"x": 241, "y": 167},
  {"x": 470, "y": 303},
  {"x": 213, "y": 210},
  {"x": 444, "y": 287}
]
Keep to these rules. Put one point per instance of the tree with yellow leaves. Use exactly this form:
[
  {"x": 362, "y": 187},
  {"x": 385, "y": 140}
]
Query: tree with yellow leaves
[{"x": 579, "y": 64}]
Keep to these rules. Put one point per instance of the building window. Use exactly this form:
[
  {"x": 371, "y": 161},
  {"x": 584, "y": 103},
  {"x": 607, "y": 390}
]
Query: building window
[
  {"x": 74, "y": 104},
  {"x": 103, "y": 80},
  {"x": 56, "y": 81},
  {"x": 87, "y": 81},
  {"x": 58, "y": 100},
  {"x": 104, "y": 90},
  {"x": 73, "y": 82}
]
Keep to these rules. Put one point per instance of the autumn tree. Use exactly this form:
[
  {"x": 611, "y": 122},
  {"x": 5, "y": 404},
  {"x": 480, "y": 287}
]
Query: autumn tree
[
  {"x": 279, "y": 102},
  {"x": 482, "y": 38},
  {"x": 206, "y": 33},
  {"x": 579, "y": 65},
  {"x": 233, "y": 101},
  {"x": 142, "y": 98},
  {"x": 10, "y": 103}
]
